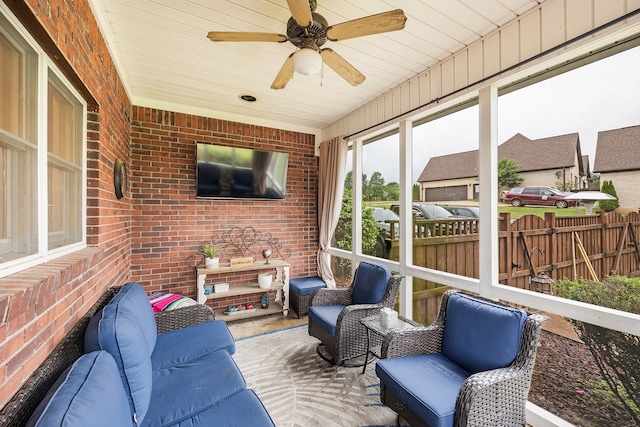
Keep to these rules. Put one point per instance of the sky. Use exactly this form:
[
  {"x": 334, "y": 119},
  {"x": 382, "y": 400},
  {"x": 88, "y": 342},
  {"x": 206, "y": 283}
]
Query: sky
[{"x": 600, "y": 96}]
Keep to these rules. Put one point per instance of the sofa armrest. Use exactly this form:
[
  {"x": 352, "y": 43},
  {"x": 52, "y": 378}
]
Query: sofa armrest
[
  {"x": 182, "y": 317},
  {"x": 333, "y": 296},
  {"x": 412, "y": 341}
]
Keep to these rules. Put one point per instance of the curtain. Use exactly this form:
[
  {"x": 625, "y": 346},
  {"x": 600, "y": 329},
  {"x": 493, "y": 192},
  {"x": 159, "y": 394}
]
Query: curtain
[{"x": 333, "y": 157}]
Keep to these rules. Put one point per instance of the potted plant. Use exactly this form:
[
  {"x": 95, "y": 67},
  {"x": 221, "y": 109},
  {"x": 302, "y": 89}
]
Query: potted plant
[{"x": 210, "y": 252}]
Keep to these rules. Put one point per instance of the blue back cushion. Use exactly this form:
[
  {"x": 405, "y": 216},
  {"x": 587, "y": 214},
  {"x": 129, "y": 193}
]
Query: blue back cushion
[
  {"x": 123, "y": 329},
  {"x": 134, "y": 300},
  {"x": 370, "y": 283},
  {"x": 89, "y": 393},
  {"x": 479, "y": 335}
]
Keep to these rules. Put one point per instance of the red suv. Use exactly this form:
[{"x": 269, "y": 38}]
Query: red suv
[{"x": 542, "y": 196}]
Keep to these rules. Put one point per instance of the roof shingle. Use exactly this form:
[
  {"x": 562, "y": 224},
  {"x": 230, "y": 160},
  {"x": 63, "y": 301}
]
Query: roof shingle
[
  {"x": 618, "y": 150},
  {"x": 554, "y": 152}
]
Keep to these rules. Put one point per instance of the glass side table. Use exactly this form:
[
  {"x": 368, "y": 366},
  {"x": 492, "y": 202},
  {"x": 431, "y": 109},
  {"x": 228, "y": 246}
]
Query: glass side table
[{"x": 376, "y": 332}]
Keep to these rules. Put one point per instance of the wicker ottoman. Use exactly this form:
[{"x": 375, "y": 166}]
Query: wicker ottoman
[{"x": 301, "y": 290}]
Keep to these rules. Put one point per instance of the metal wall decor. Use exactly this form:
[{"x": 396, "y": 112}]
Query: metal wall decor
[{"x": 242, "y": 242}]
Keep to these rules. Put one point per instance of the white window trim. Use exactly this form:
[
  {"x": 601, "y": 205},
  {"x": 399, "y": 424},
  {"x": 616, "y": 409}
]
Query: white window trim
[{"x": 46, "y": 65}]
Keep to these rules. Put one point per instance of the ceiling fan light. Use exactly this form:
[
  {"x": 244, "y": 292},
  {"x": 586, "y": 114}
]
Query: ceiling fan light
[{"x": 307, "y": 61}]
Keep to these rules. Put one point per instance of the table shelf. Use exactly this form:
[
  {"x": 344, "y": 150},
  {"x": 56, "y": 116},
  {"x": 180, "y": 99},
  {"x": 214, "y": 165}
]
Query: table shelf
[
  {"x": 245, "y": 289},
  {"x": 280, "y": 285}
]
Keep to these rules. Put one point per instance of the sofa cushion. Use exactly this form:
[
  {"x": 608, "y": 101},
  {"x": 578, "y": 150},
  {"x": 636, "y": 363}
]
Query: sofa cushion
[
  {"x": 182, "y": 345},
  {"x": 119, "y": 332},
  {"x": 427, "y": 383},
  {"x": 370, "y": 283},
  {"x": 88, "y": 393},
  {"x": 239, "y": 410},
  {"x": 182, "y": 392},
  {"x": 135, "y": 301},
  {"x": 326, "y": 316},
  {"x": 479, "y": 335},
  {"x": 306, "y": 285}
]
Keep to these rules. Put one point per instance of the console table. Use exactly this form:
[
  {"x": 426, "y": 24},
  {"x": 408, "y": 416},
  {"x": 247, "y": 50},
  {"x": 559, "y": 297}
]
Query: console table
[{"x": 280, "y": 284}]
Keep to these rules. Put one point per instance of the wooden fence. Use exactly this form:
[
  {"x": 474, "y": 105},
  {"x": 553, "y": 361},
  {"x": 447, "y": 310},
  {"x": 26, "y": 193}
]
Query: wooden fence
[{"x": 560, "y": 247}]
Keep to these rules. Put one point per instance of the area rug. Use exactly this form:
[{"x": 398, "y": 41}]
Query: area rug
[{"x": 299, "y": 389}]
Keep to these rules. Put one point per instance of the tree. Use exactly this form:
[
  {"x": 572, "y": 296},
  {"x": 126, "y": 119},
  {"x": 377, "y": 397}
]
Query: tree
[
  {"x": 508, "y": 173},
  {"x": 415, "y": 192},
  {"x": 617, "y": 354},
  {"x": 609, "y": 205},
  {"x": 348, "y": 181},
  {"x": 376, "y": 187},
  {"x": 343, "y": 229},
  {"x": 393, "y": 191}
]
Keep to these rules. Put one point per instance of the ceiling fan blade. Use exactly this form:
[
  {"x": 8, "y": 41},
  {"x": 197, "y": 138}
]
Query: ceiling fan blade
[
  {"x": 234, "y": 36},
  {"x": 342, "y": 67},
  {"x": 373, "y": 24},
  {"x": 301, "y": 12},
  {"x": 284, "y": 75}
]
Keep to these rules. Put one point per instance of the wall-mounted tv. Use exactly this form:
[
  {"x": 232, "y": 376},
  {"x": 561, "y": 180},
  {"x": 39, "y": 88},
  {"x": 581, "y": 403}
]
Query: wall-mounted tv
[{"x": 231, "y": 172}]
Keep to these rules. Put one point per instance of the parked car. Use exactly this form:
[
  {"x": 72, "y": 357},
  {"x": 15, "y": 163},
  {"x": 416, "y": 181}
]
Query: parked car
[
  {"x": 463, "y": 211},
  {"x": 383, "y": 242},
  {"x": 382, "y": 215},
  {"x": 426, "y": 211},
  {"x": 541, "y": 196}
]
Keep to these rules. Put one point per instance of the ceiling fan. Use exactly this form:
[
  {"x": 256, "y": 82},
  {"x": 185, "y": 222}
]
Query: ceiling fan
[{"x": 307, "y": 31}]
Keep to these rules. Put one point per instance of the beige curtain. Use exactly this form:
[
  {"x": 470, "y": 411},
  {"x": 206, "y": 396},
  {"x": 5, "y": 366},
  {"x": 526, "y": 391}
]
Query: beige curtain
[{"x": 333, "y": 156}]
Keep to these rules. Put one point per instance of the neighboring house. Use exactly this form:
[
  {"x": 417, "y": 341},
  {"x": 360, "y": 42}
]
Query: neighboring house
[
  {"x": 556, "y": 161},
  {"x": 618, "y": 160}
]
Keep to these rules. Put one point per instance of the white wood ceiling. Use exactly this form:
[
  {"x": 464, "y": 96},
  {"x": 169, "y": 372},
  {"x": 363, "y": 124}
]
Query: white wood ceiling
[{"x": 166, "y": 61}]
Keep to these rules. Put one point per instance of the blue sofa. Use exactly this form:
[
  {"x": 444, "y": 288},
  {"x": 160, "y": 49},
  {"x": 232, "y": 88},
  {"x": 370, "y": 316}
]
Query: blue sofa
[{"x": 185, "y": 377}]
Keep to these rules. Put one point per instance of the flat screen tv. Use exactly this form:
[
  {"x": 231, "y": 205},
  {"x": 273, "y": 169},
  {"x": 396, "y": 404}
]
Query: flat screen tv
[{"x": 230, "y": 172}]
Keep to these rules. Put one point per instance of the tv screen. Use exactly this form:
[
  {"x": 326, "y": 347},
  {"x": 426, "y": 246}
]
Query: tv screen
[{"x": 230, "y": 172}]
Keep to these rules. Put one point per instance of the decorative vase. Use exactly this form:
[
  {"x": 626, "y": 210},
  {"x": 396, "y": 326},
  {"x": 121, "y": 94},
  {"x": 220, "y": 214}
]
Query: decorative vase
[
  {"x": 265, "y": 301},
  {"x": 212, "y": 262},
  {"x": 264, "y": 280}
]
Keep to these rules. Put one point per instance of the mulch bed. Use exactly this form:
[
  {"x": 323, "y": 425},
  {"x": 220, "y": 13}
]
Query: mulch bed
[{"x": 564, "y": 367}]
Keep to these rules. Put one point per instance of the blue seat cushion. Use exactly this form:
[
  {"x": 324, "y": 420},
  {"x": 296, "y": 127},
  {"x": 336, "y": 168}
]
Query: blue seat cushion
[
  {"x": 242, "y": 409},
  {"x": 120, "y": 333},
  {"x": 480, "y": 335},
  {"x": 326, "y": 316},
  {"x": 370, "y": 283},
  {"x": 88, "y": 393},
  {"x": 427, "y": 383},
  {"x": 306, "y": 285},
  {"x": 182, "y": 345},
  {"x": 181, "y": 392}
]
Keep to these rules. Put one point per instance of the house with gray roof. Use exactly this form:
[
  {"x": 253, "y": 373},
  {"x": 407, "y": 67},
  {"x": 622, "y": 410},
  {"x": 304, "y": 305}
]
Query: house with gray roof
[
  {"x": 555, "y": 161},
  {"x": 618, "y": 160}
]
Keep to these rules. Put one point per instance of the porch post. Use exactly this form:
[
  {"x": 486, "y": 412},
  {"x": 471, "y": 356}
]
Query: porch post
[
  {"x": 488, "y": 257},
  {"x": 406, "y": 216}
]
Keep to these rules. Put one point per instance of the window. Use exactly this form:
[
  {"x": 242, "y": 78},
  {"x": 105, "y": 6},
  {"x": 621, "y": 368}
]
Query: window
[{"x": 42, "y": 146}]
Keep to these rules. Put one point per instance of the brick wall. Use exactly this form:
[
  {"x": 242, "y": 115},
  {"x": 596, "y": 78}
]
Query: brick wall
[
  {"x": 40, "y": 304},
  {"x": 170, "y": 224},
  {"x": 149, "y": 234}
]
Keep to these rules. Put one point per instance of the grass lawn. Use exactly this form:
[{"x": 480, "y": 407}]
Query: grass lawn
[{"x": 515, "y": 212}]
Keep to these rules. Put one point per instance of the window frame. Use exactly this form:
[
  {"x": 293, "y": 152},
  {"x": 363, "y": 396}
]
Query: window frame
[{"x": 46, "y": 73}]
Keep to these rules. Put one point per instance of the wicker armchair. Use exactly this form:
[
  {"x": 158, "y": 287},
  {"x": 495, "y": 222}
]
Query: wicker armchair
[
  {"x": 476, "y": 363},
  {"x": 335, "y": 314}
]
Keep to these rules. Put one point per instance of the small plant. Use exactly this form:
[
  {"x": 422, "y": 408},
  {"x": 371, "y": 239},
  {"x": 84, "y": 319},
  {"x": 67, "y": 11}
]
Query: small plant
[{"x": 209, "y": 250}]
